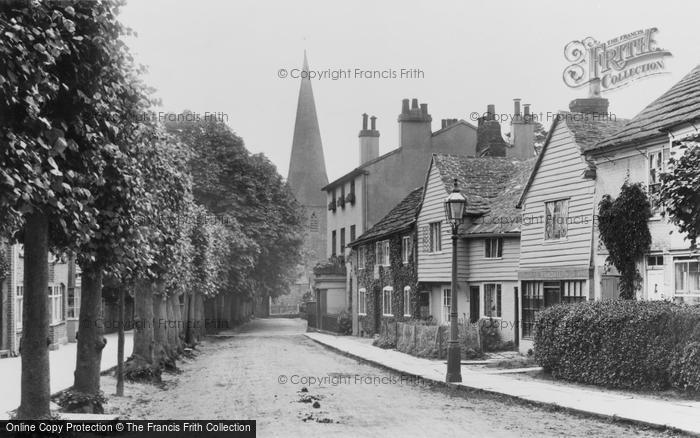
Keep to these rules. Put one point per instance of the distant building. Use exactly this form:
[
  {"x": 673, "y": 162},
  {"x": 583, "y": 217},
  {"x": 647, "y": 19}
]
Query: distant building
[{"x": 307, "y": 175}]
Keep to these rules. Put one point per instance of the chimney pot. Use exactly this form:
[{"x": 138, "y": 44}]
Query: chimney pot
[
  {"x": 491, "y": 112},
  {"x": 526, "y": 109},
  {"x": 364, "y": 121},
  {"x": 424, "y": 108},
  {"x": 374, "y": 123},
  {"x": 404, "y": 106},
  {"x": 516, "y": 107},
  {"x": 594, "y": 88},
  {"x": 444, "y": 123},
  {"x": 414, "y": 103}
]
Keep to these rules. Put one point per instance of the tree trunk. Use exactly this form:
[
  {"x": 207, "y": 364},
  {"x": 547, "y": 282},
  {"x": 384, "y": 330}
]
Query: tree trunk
[
  {"x": 90, "y": 340},
  {"x": 190, "y": 320},
  {"x": 199, "y": 317},
  {"x": 36, "y": 392},
  {"x": 120, "y": 344},
  {"x": 142, "y": 366}
]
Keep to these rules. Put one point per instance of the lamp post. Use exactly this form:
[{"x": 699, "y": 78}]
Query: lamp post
[{"x": 454, "y": 211}]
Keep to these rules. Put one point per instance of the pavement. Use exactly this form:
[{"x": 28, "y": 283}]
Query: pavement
[
  {"x": 683, "y": 415},
  {"x": 62, "y": 362}
]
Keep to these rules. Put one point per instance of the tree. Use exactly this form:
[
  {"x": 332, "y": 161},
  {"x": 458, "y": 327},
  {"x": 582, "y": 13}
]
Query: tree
[
  {"x": 66, "y": 96},
  {"x": 680, "y": 192},
  {"x": 624, "y": 229}
]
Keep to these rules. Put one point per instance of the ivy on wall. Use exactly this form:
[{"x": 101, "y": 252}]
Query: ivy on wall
[
  {"x": 398, "y": 275},
  {"x": 4, "y": 262},
  {"x": 624, "y": 229}
]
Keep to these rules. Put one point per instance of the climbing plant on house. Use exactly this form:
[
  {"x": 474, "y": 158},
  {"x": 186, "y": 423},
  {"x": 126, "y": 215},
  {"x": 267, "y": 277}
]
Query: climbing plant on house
[
  {"x": 680, "y": 192},
  {"x": 624, "y": 229}
]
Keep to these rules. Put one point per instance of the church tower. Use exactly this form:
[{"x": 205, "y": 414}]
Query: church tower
[{"x": 307, "y": 175}]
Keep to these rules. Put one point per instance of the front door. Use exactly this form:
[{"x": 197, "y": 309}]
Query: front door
[
  {"x": 552, "y": 293},
  {"x": 474, "y": 299},
  {"x": 655, "y": 284}
]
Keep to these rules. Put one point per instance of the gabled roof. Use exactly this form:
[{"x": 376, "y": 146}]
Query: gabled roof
[
  {"x": 678, "y": 105},
  {"x": 587, "y": 131},
  {"x": 492, "y": 186},
  {"x": 400, "y": 218},
  {"x": 358, "y": 170}
]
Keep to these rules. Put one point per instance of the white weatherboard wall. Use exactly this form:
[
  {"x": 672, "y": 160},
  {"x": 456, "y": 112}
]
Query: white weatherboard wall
[
  {"x": 437, "y": 266},
  {"x": 560, "y": 176}
]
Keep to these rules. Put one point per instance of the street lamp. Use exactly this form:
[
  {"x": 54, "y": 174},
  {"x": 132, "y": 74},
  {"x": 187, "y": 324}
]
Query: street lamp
[{"x": 454, "y": 211}]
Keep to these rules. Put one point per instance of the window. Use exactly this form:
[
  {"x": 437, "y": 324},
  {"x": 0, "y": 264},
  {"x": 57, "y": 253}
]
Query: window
[
  {"x": 342, "y": 240},
  {"x": 352, "y": 187},
  {"x": 362, "y": 301},
  {"x": 361, "y": 259},
  {"x": 446, "y": 304},
  {"x": 333, "y": 198},
  {"x": 532, "y": 302},
  {"x": 493, "y": 248},
  {"x": 56, "y": 303},
  {"x": 313, "y": 222},
  {"x": 435, "y": 237},
  {"x": 386, "y": 301},
  {"x": 352, "y": 233},
  {"x": 687, "y": 273},
  {"x": 492, "y": 300},
  {"x": 572, "y": 291},
  {"x": 73, "y": 307},
  {"x": 655, "y": 261},
  {"x": 406, "y": 249},
  {"x": 555, "y": 221},
  {"x": 19, "y": 300},
  {"x": 407, "y": 301},
  {"x": 333, "y": 241},
  {"x": 382, "y": 253},
  {"x": 657, "y": 165}
]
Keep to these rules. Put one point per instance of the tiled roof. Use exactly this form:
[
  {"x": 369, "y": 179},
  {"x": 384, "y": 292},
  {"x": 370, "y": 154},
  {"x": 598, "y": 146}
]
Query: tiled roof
[
  {"x": 399, "y": 218},
  {"x": 678, "y": 105},
  {"x": 503, "y": 216},
  {"x": 589, "y": 129},
  {"x": 492, "y": 186}
]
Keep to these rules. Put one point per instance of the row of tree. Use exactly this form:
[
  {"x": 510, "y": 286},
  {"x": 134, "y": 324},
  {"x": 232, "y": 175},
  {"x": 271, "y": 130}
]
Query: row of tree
[{"x": 171, "y": 212}]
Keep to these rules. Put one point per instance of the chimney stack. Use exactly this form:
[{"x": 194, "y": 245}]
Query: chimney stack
[
  {"x": 593, "y": 104},
  {"x": 369, "y": 140},
  {"x": 415, "y": 126},
  {"x": 522, "y": 134},
  {"x": 489, "y": 141}
]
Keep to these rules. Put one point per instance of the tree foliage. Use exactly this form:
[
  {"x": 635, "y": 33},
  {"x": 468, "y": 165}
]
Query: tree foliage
[
  {"x": 624, "y": 229},
  {"x": 680, "y": 192}
]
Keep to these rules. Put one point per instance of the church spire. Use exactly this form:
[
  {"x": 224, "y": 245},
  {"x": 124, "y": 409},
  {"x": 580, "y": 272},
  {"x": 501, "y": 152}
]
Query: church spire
[{"x": 307, "y": 167}]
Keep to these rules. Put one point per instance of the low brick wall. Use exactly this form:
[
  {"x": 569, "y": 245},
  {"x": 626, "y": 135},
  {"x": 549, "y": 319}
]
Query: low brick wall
[{"x": 428, "y": 341}]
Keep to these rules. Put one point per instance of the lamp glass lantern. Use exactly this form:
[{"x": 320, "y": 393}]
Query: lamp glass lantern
[{"x": 454, "y": 205}]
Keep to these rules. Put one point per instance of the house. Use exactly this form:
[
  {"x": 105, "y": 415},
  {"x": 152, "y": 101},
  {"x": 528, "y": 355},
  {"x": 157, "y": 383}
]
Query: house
[
  {"x": 11, "y": 321},
  {"x": 382, "y": 274},
  {"x": 558, "y": 207},
  {"x": 639, "y": 152},
  {"x": 487, "y": 246}
]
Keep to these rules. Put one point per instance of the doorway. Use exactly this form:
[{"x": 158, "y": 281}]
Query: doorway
[{"x": 474, "y": 301}]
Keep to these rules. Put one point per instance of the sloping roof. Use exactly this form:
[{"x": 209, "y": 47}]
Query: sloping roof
[
  {"x": 678, "y": 105},
  {"x": 398, "y": 219},
  {"x": 587, "y": 130},
  {"x": 358, "y": 170},
  {"x": 460, "y": 122},
  {"x": 503, "y": 216},
  {"x": 492, "y": 186}
]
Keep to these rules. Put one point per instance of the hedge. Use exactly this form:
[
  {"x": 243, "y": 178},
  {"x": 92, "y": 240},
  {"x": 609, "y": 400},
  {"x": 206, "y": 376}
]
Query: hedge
[{"x": 621, "y": 344}]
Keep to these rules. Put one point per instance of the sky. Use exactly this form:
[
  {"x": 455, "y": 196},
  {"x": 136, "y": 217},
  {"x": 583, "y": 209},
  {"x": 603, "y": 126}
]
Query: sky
[{"x": 224, "y": 57}]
